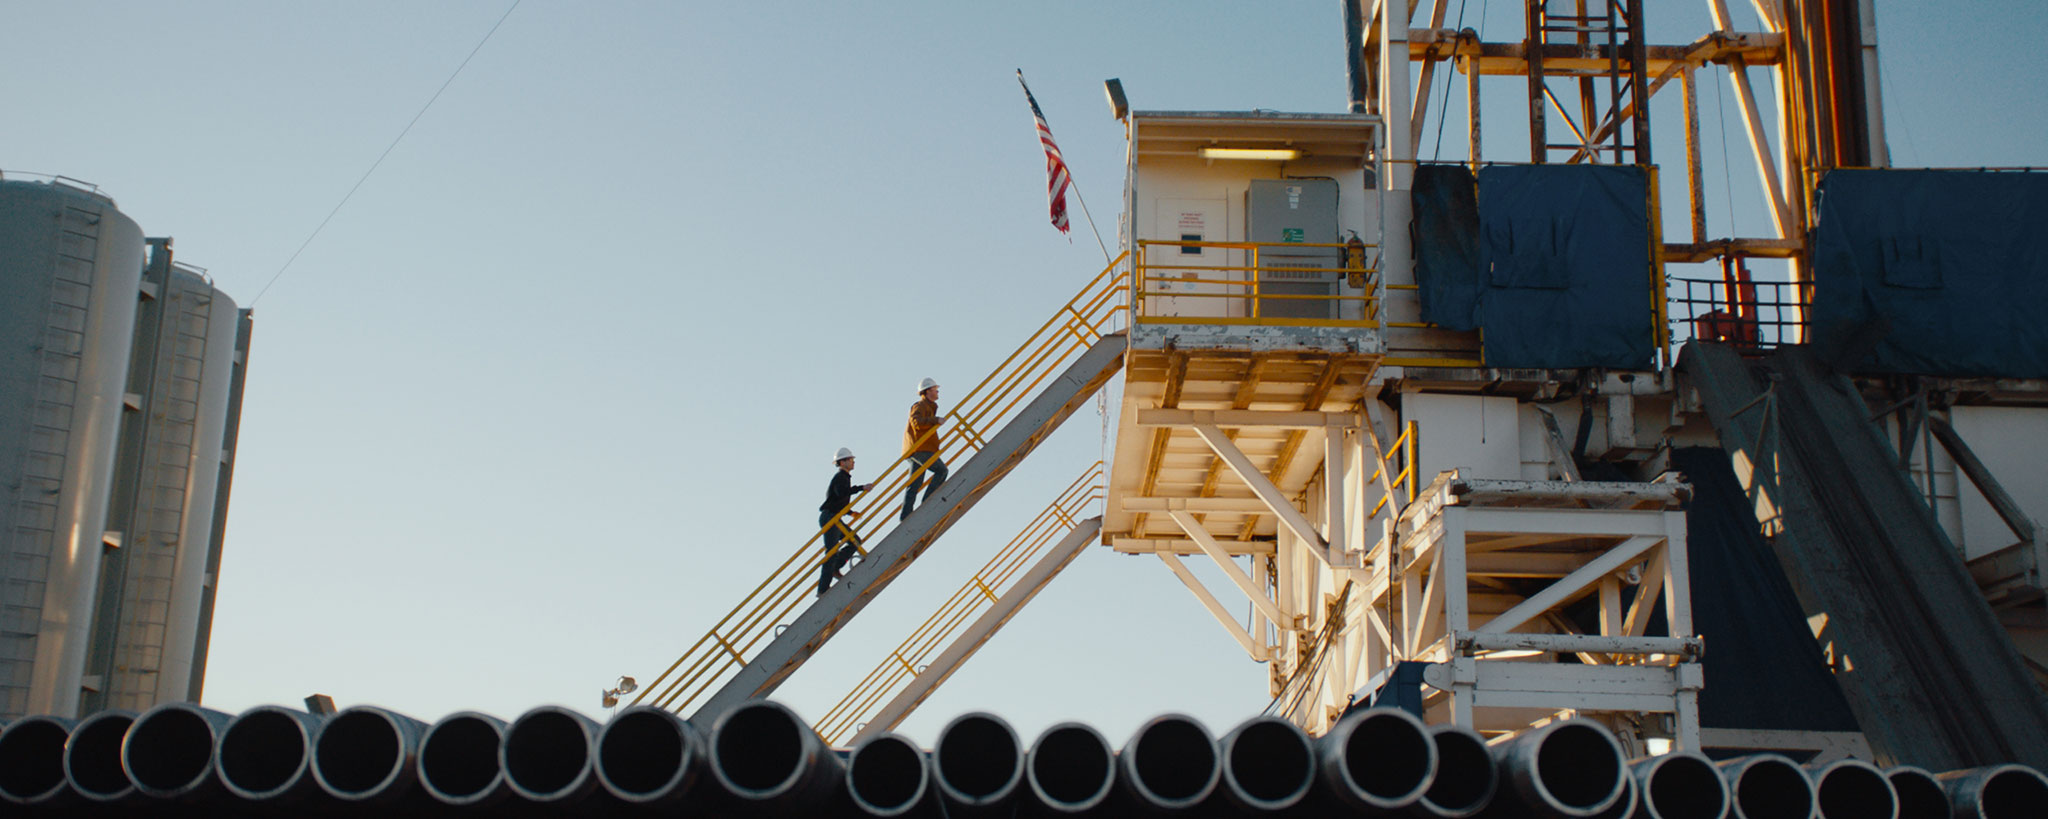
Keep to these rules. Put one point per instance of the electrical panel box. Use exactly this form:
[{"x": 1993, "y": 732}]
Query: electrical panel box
[{"x": 1283, "y": 217}]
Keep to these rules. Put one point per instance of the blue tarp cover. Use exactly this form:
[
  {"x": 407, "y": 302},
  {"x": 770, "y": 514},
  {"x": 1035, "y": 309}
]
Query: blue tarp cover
[
  {"x": 1954, "y": 262},
  {"x": 1550, "y": 262}
]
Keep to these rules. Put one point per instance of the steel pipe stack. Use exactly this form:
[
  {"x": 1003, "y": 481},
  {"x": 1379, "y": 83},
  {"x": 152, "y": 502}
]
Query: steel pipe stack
[{"x": 761, "y": 759}]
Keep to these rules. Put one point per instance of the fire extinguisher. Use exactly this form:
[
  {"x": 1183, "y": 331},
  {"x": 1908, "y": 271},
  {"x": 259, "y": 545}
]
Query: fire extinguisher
[{"x": 1354, "y": 261}]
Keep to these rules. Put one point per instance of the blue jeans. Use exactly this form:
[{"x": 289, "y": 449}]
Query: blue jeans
[
  {"x": 934, "y": 468},
  {"x": 835, "y": 558}
]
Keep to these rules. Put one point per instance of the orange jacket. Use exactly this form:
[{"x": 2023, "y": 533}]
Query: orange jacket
[{"x": 921, "y": 434}]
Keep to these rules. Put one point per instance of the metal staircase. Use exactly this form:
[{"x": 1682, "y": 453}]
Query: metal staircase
[{"x": 747, "y": 653}]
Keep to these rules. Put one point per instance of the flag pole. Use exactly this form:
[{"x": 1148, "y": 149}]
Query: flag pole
[{"x": 1045, "y": 133}]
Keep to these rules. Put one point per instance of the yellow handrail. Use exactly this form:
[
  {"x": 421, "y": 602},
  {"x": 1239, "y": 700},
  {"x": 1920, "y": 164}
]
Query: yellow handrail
[
  {"x": 982, "y": 588},
  {"x": 737, "y": 636},
  {"x": 1248, "y": 284}
]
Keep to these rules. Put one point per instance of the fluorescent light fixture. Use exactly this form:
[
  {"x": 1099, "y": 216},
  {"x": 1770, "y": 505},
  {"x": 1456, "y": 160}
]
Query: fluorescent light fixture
[{"x": 1282, "y": 154}]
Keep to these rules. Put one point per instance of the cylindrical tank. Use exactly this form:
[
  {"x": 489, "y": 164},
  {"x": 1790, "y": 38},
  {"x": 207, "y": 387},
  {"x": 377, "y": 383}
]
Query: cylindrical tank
[{"x": 70, "y": 274}]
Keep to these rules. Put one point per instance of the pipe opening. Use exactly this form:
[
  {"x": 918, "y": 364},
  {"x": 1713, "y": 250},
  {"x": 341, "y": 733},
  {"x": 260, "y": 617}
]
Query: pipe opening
[
  {"x": 1852, "y": 791},
  {"x": 168, "y": 750},
  {"x": 2013, "y": 793},
  {"x": 93, "y": 759},
  {"x": 1578, "y": 766},
  {"x": 262, "y": 751},
  {"x": 1920, "y": 796},
  {"x": 759, "y": 749},
  {"x": 1071, "y": 765},
  {"x": 887, "y": 774},
  {"x": 460, "y": 757},
  {"x": 1773, "y": 789},
  {"x": 545, "y": 752},
  {"x": 1465, "y": 775},
  {"x": 1686, "y": 787},
  {"x": 32, "y": 759},
  {"x": 357, "y": 751},
  {"x": 641, "y": 752},
  {"x": 1386, "y": 757},
  {"x": 977, "y": 757},
  {"x": 1176, "y": 760},
  {"x": 1270, "y": 762}
]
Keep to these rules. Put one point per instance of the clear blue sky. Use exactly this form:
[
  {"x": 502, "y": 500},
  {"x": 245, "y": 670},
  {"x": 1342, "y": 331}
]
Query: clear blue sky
[{"x": 567, "y": 371}]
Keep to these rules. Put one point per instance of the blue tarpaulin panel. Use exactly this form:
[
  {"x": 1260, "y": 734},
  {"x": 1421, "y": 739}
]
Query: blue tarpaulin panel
[
  {"x": 1945, "y": 272},
  {"x": 1550, "y": 262}
]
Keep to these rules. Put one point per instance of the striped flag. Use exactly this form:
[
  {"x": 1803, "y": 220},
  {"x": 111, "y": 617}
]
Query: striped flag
[{"x": 1055, "y": 167}]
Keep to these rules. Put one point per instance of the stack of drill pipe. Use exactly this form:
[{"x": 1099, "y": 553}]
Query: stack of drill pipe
[
  {"x": 32, "y": 763},
  {"x": 1465, "y": 778},
  {"x": 1569, "y": 769},
  {"x": 1921, "y": 796},
  {"x": 548, "y": 758},
  {"x": 1169, "y": 766},
  {"x": 1268, "y": 766}
]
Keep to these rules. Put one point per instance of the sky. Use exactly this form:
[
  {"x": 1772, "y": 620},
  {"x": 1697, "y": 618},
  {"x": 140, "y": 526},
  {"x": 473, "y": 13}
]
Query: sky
[{"x": 564, "y": 375}]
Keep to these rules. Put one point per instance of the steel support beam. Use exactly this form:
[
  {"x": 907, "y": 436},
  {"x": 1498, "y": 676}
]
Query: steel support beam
[
  {"x": 1208, "y": 601},
  {"x": 1263, "y": 487}
]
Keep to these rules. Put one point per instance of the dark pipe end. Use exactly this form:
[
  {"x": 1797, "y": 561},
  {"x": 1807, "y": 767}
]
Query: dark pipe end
[
  {"x": 265, "y": 752},
  {"x": 762, "y": 751},
  {"x": 92, "y": 757},
  {"x": 978, "y": 760},
  {"x": 1853, "y": 789},
  {"x": 647, "y": 754},
  {"x": 1268, "y": 764},
  {"x": 1379, "y": 759},
  {"x": 1920, "y": 796},
  {"x": 887, "y": 776},
  {"x": 365, "y": 753},
  {"x": 1768, "y": 786},
  {"x": 32, "y": 760},
  {"x": 1465, "y": 779},
  {"x": 1071, "y": 767},
  {"x": 458, "y": 761},
  {"x": 547, "y": 756},
  {"x": 1578, "y": 764},
  {"x": 1681, "y": 785},
  {"x": 1171, "y": 762},
  {"x": 168, "y": 752},
  {"x": 2010, "y": 792}
]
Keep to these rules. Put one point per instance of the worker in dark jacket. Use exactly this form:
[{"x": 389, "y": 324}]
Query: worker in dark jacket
[
  {"x": 921, "y": 444},
  {"x": 838, "y": 497}
]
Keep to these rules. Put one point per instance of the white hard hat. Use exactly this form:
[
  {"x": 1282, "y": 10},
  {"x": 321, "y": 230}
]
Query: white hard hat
[
  {"x": 842, "y": 454},
  {"x": 926, "y": 384}
]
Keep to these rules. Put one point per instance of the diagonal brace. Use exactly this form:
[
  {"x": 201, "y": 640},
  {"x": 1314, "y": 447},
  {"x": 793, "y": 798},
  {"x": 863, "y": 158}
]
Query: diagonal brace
[
  {"x": 1570, "y": 584},
  {"x": 1263, "y": 487},
  {"x": 1210, "y": 547}
]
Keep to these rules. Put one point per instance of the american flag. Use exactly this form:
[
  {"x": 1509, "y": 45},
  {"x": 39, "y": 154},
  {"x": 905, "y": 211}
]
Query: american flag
[{"x": 1055, "y": 167}]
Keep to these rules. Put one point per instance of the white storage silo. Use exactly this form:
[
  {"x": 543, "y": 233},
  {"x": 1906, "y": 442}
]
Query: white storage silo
[{"x": 70, "y": 274}]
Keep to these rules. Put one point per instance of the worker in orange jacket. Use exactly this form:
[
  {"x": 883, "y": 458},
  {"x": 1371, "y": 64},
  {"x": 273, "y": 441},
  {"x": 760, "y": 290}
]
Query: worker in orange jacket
[{"x": 921, "y": 444}]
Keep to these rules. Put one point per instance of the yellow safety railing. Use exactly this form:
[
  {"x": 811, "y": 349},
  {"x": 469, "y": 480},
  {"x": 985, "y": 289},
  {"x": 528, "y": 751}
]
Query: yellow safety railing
[
  {"x": 732, "y": 641},
  {"x": 1160, "y": 264},
  {"x": 1406, "y": 444},
  {"x": 981, "y": 589}
]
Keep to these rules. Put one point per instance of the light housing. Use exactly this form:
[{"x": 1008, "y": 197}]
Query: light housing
[{"x": 1269, "y": 154}]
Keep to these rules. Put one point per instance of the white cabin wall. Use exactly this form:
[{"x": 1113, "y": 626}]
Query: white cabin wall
[{"x": 1480, "y": 435}]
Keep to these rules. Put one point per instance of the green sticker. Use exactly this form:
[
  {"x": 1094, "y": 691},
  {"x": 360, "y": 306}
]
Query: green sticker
[{"x": 1291, "y": 235}]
